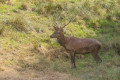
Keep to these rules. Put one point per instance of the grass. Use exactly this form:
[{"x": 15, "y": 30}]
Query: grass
[
  {"x": 87, "y": 69},
  {"x": 24, "y": 24}
]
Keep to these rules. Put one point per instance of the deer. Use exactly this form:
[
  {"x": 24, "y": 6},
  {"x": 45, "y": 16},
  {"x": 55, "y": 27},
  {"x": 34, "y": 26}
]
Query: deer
[{"x": 74, "y": 45}]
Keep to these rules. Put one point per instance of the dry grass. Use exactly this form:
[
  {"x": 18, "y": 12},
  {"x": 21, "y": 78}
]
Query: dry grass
[
  {"x": 19, "y": 23},
  {"x": 27, "y": 64},
  {"x": 3, "y": 1},
  {"x": 34, "y": 75},
  {"x": 34, "y": 57},
  {"x": 25, "y": 6},
  {"x": 9, "y": 2},
  {"x": 32, "y": 63},
  {"x": 2, "y": 30}
]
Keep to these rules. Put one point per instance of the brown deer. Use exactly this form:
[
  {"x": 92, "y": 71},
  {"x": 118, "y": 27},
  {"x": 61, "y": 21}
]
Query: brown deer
[{"x": 75, "y": 45}]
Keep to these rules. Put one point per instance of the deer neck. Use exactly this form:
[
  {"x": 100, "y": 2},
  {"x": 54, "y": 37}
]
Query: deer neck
[{"x": 62, "y": 40}]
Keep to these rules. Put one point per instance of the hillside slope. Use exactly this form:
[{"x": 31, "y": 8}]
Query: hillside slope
[{"x": 25, "y": 45}]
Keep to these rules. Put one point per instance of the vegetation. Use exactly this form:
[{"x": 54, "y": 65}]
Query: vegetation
[{"x": 25, "y": 27}]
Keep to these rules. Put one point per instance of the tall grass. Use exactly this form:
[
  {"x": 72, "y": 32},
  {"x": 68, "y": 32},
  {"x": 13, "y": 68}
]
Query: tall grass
[{"x": 20, "y": 23}]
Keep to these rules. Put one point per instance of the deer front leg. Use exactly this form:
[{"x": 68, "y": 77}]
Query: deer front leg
[
  {"x": 74, "y": 61},
  {"x": 72, "y": 55}
]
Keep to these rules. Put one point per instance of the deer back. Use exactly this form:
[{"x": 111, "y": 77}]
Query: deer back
[{"x": 73, "y": 43}]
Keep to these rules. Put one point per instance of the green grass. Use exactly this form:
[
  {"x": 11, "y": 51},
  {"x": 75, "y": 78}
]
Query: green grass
[{"x": 87, "y": 69}]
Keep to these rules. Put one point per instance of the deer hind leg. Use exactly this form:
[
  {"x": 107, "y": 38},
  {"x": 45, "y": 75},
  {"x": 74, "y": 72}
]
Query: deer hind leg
[{"x": 96, "y": 57}]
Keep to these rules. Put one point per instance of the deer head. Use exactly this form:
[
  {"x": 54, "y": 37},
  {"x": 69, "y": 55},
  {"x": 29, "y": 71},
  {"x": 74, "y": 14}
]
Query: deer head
[
  {"x": 57, "y": 33},
  {"x": 59, "y": 30}
]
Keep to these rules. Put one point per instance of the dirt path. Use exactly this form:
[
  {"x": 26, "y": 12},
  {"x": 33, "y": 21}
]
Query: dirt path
[{"x": 34, "y": 75}]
